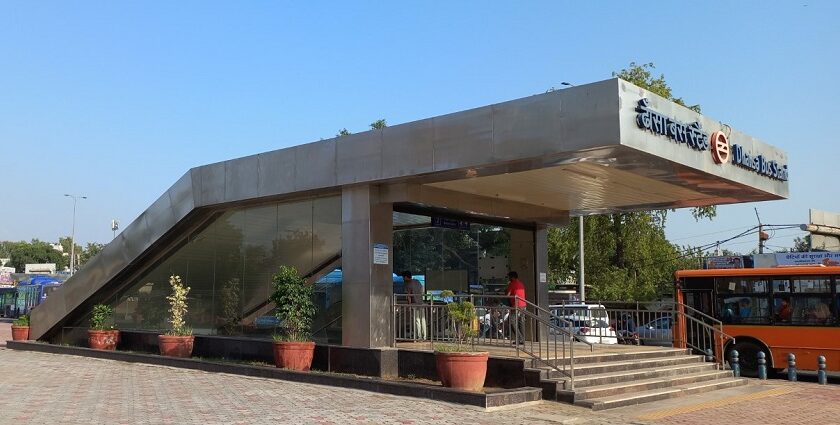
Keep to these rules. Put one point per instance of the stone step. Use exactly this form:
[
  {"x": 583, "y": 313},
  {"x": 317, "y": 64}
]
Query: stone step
[
  {"x": 601, "y": 391},
  {"x": 582, "y": 358},
  {"x": 629, "y": 365},
  {"x": 632, "y": 375},
  {"x": 629, "y": 399}
]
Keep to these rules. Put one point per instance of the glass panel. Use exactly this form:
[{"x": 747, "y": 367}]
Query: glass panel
[
  {"x": 228, "y": 265},
  {"x": 260, "y": 261},
  {"x": 812, "y": 284},
  {"x": 781, "y": 285},
  {"x": 740, "y": 285},
  {"x": 811, "y": 311},
  {"x": 744, "y": 309}
]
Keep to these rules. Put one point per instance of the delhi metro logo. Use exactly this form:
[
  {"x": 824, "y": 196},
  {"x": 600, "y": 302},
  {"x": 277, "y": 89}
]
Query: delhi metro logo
[{"x": 720, "y": 147}]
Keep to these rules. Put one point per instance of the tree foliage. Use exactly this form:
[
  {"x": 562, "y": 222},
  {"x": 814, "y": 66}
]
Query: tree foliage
[
  {"x": 378, "y": 124},
  {"x": 295, "y": 309},
  {"x": 34, "y": 252}
]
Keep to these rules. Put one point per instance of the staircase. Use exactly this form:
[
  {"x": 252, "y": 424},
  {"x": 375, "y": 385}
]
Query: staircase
[{"x": 606, "y": 381}]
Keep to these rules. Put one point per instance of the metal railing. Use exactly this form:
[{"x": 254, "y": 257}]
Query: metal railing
[
  {"x": 531, "y": 330},
  {"x": 667, "y": 324}
]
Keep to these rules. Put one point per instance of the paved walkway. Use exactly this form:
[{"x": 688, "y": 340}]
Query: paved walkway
[
  {"x": 43, "y": 388},
  {"x": 46, "y": 388}
]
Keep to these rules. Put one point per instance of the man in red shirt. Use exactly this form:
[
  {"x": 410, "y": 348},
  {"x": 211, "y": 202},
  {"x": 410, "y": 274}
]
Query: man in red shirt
[{"x": 516, "y": 289}]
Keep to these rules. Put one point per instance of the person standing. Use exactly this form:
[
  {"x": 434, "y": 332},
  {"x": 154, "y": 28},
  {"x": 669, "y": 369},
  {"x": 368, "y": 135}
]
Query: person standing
[
  {"x": 415, "y": 292},
  {"x": 516, "y": 290}
]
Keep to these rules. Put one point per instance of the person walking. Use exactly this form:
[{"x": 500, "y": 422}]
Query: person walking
[
  {"x": 516, "y": 290},
  {"x": 415, "y": 297}
]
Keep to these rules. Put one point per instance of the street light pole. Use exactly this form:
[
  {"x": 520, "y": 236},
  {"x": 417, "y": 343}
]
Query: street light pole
[
  {"x": 581, "y": 281},
  {"x": 73, "y": 233}
]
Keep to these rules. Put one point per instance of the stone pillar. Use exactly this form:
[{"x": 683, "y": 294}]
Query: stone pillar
[{"x": 367, "y": 288}]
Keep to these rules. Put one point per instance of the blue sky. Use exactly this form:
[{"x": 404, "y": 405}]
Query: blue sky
[{"x": 116, "y": 100}]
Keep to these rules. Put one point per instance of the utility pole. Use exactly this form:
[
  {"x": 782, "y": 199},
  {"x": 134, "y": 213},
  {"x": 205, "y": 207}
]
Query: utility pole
[
  {"x": 761, "y": 235},
  {"x": 581, "y": 281},
  {"x": 73, "y": 233}
]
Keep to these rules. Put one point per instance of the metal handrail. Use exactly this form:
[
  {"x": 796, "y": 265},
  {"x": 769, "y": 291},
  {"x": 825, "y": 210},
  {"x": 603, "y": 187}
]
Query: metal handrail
[
  {"x": 707, "y": 332},
  {"x": 715, "y": 328},
  {"x": 539, "y": 349},
  {"x": 559, "y": 318},
  {"x": 331, "y": 322}
]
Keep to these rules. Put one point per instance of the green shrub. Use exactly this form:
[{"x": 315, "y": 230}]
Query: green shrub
[
  {"x": 22, "y": 321},
  {"x": 295, "y": 309},
  {"x": 101, "y": 317},
  {"x": 178, "y": 307},
  {"x": 461, "y": 315}
]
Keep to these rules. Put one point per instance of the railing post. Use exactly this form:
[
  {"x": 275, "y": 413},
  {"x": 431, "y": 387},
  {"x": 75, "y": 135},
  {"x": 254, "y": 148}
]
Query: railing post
[
  {"x": 393, "y": 321},
  {"x": 762, "y": 366},
  {"x": 821, "y": 377},
  {"x": 791, "y": 367},
  {"x": 734, "y": 363}
]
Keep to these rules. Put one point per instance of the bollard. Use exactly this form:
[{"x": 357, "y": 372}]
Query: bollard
[
  {"x": 791, "y": 367},
  {"x": 733, "y": 363},
  {"x": 821, "y": 378},
  {"x": 709, "y": 356},
  {"x": 762, "y": 365}
]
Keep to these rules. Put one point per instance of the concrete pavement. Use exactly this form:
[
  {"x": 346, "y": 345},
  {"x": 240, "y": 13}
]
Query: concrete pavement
[{"x": 43, "y": 388}]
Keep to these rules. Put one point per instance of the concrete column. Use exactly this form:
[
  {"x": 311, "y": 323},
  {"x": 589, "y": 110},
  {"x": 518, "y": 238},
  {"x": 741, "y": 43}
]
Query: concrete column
[
  {"x": 541, "y": 271},
  {"x": 367, "y": 288}
]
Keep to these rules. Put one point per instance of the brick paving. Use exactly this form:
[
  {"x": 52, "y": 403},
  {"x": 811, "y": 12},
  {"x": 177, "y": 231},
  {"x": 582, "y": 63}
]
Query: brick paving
[{"x": 43, "y": 388}]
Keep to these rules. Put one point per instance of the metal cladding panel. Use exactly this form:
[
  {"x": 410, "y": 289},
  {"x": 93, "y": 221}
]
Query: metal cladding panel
[
  {"x": 181, "y": 196},
  {"x": 160, "y": 216},
  {"x": 242, "y": 178},
  {"x": 464, "y": 139},
  {"x": 663, "y": 147},
  {"x": 212, "y": 189},
  {"x": 359, "y": 157},
  {"x": 408, "y": 150},
  {"x": 277, "y": 172},
  {"x": 315, "y": 166},
  {"x": 582, "y": 117}
]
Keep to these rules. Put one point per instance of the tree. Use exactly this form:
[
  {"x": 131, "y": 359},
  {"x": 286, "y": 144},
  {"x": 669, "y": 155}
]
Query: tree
[
  {"x": 34, "y": 252},
  {"x": 343, "y": 132},
  {"x": 90, "y": 251},
  {"x": 378, "y": 124},
  {"x": 801, "y": 244}
]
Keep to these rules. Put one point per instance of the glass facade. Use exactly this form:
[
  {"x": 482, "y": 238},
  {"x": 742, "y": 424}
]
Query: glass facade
[
  {"x": 228, "y": 265},
  {"x": 472, "y": 259}
]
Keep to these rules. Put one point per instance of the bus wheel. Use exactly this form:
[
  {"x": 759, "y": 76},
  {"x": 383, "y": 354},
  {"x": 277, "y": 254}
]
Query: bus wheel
[{"x": 748, "y": 358}]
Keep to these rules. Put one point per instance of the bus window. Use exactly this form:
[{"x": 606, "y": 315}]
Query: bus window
[
  {"x": 781, "y": 285},
  {"x": 812, "y": 284}
]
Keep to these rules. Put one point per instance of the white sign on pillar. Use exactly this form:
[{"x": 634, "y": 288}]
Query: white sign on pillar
[{"x": 380, "y": 253}]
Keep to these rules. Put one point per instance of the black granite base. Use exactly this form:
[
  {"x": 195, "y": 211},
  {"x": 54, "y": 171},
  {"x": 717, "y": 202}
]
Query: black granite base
[{"x": 495, "y": 398}]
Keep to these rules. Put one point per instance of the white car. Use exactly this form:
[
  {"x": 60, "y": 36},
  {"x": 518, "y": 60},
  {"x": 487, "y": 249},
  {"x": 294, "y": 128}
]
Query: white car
[{"x": 590, "y": 322}]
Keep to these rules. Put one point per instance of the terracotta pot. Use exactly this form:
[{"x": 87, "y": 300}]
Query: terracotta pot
[
  {"x": 20, "y": 333},
  {"x": 103, "y": 339},
  {"x": 465, "y": 371},
  {"x": 293, "y": 355},
  {"x": 176, "y": 346}
]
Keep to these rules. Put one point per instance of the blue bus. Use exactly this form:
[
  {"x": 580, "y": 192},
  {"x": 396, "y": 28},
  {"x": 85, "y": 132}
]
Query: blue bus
[{"x": 32, "y": 292}]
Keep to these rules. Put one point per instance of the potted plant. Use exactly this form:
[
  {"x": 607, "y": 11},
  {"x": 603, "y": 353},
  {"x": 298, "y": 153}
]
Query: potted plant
[
  {"x": 102, "y": 335},
  {"x": 457, "y": 365},
  {"x": 295, "y": 310},
  {"x": 178, "y": 342},
  {"x": 20, "y": 328}
]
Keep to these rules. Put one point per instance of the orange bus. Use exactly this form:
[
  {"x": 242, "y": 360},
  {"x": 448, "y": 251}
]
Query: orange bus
[{"x": 777, "y": 310}]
